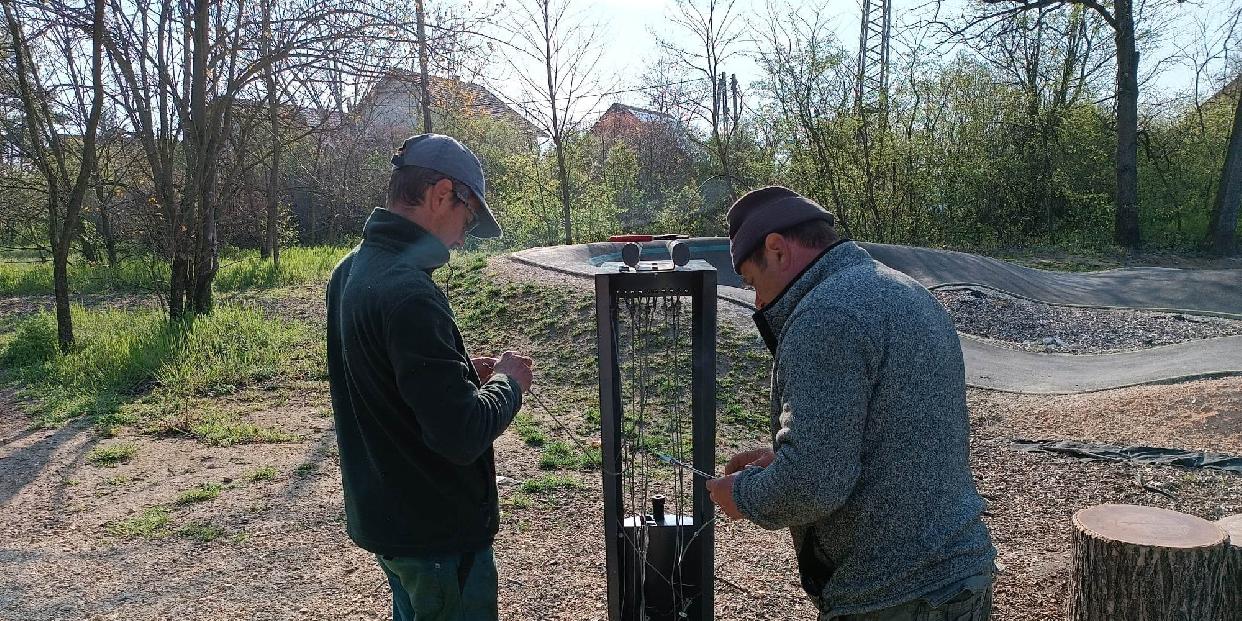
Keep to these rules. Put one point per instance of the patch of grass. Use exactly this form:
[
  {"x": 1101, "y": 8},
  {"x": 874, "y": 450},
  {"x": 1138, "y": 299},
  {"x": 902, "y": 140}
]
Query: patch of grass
[
  {"x": 549, "y": 483},
  {"x": 118, "y": 480},
  {"x": 560, "y": 455},
  {"x": 220, "y": 429},
  {"x": 266, "y": 473},
  {"x": 528, "y": 430},
  {"x": 111, "y": 455},
  {"x": 298, "y": 265},
  {"x": 121, "y": 355},
  {"x": 201, "y": 493},
  {"x": 130, "y": 274},
  {"x": 239, "y": 269},
  {"x": 516, "y": 500},
  {"x": 202, "y": 532},
  {"x": 149, "y": 524},
  {"x": 306, "y": 469}
]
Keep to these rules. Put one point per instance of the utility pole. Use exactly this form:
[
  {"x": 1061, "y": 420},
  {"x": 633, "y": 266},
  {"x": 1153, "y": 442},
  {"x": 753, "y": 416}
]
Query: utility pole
[{"x": 871, "y": 95}]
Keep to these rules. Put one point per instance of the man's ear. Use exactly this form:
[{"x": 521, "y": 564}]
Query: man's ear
[
  {"x": 777, "y": 247},
  {"x": 438, "y": 193}
]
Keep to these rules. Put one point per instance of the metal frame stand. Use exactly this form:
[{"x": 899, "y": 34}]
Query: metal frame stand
[{"x": 614, "y": 282}]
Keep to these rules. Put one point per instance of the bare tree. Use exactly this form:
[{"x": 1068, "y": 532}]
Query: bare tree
[
  {"x": 61, "y": 29},
  {"x": 713, "y": 26},
  {"x": 567, "y": 49},
  {"x": 810, "y": 80},
  {"x": 181, "y": 71}
]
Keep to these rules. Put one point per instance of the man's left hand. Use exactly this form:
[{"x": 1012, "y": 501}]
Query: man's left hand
[
  {"x": 483, "y": 365},
  {"x": 721, "y": 491}
]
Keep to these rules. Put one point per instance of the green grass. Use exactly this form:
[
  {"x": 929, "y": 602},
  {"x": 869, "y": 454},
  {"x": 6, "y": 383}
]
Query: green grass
[
  {"x": 266, "y": 473},
  {"x": 221, "y": 429},
  {"x": 546, "y": 483},
  {"x": 151, "y": 523},
  {"x": 202, "y": 532},
  {"x": 200, "y": 493},
  {"x": 298, "y": 265},
  {"x": 528, "y": 430},
  {"x": 120, "y": 356},
  {"x": 111, "y": 455},
  {"x": 560, "y": 455},
  {"x": 239, "y": 269}
]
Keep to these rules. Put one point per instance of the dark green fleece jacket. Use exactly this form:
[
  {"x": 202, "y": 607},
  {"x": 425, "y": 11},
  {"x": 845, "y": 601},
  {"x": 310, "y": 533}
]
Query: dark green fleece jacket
[{"x": 414, "y": 424}]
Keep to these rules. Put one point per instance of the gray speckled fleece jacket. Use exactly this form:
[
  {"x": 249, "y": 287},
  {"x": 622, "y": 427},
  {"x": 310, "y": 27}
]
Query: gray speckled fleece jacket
[{"x": 870, "y": 433}]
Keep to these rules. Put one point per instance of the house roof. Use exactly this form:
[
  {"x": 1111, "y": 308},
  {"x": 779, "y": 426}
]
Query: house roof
[
  {"x": 1230, "y": 90},
  {"x": 641, "y": 114},
  {"x": 452, "y": 93}
]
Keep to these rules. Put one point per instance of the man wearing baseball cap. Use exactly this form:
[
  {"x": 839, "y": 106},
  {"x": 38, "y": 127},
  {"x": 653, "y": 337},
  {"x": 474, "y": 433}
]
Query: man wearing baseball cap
[
  {"x": 869, "y": 467},
  {"x": 415, "y": 414}
]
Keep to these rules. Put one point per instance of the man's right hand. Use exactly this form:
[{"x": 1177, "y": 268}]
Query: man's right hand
[
  {"x": 516, "y": 366},
  {"x": 756, "y": 457}
]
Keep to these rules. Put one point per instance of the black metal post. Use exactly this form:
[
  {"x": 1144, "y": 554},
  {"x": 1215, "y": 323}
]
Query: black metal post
[{"x": 613, "y": 282}]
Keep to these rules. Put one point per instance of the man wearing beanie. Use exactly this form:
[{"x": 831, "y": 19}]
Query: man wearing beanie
[
  {"x": 869, "y": 465},
  {"x": 415, "y": 414}
]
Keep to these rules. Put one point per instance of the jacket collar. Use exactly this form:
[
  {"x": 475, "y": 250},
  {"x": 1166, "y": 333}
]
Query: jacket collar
[
  {"x": 835, "y": 258},
  {"x": 412, "y": 242}
]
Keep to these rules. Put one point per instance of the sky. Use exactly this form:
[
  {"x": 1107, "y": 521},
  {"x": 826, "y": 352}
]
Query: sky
[{"x": 628, "y": 29}]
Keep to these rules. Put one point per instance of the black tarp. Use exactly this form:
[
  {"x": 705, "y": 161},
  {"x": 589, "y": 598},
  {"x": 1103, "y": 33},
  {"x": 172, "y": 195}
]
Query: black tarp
[{"x": 1146, "y": 455}]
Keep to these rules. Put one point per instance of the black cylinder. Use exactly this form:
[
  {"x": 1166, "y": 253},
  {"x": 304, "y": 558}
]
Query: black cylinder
[
  {"x": 679, "y": 252},
  {"x": 630, "y": 253}
]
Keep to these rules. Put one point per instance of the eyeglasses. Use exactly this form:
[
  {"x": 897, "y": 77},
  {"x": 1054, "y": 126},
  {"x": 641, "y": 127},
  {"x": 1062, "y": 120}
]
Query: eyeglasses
[{"x": 472, "y": 217}]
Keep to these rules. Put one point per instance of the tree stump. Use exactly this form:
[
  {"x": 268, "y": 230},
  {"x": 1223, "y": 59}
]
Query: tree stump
[
  {"x": 1231, "y": 589},
  {"x": 1133, "y": 563}
]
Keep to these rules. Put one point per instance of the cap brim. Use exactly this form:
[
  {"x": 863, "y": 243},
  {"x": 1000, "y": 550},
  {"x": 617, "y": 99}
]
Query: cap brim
[{"x": 487, "y": 227}]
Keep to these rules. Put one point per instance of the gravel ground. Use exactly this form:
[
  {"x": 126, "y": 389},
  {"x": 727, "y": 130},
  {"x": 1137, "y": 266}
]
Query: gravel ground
[{"x": 1039, "y": 327}]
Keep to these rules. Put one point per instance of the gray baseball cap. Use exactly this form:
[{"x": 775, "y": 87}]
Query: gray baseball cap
[{"x": 447, "y": 156}]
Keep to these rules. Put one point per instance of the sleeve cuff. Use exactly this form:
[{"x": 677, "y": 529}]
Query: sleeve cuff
[{"x": 743, "y": 500}]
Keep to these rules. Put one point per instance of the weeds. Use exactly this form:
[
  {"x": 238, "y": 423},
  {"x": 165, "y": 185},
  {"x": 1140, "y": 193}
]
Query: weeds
[
  {"x": 528, "y": 430},
  {"x": 111, "y": 455},
  {"x": 202, "y": 493},
  {"x": 549, "y": 483},
  {"x": 266, "y": 473},
  {"x": 202, "y": 532},
  {"x": 120, "y": 355},
  {"x": 151, "y": 523}
]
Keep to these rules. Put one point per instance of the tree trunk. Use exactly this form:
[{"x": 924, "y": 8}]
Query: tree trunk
[
  {"x": 424, "y": 81},
  {"x": 1230, "y": 608},
  {"x": 557, "y": 130},
  {"x": 1222, "y": 232},
  {"x": 103, "y": 223},
  {"x": 1144, "y": 564},
  {"x": 1126, "y": 226},
  {"x": 60, "y": 283}
]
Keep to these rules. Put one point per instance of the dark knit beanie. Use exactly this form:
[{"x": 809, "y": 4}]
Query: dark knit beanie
[{"x": 767, "y": 210}]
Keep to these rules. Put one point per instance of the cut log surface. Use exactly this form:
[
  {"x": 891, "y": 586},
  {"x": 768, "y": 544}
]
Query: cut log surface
[
  {"x": 1134, "y": 563},
  {"x": 1231, "y": 592}
]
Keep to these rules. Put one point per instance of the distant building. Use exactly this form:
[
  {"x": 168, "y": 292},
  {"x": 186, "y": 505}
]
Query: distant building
[
  {"x": 395, "y": 103},
  {"x": 1227, "y": 94},
  {"x": 664, "y": 151}
]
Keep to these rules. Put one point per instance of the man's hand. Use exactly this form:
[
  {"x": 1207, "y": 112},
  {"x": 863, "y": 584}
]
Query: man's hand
[
  {"x": 756, "y": 457},
  {"x": 483, "y": 365},
  {"x": 721, "y": 491},
  {"x": 516, "y": 366}
]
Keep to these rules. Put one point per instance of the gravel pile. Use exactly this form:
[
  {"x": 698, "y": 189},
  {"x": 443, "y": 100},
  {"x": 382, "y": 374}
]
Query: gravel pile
[{"x": 1039, "y": 327}]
